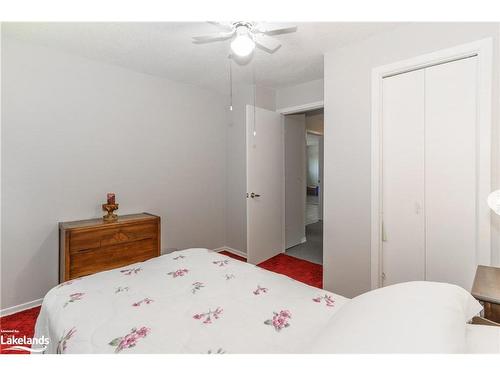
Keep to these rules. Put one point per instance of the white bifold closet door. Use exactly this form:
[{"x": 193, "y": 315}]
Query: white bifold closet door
[
  {"x": 450, "y": 171},
  {"x": 429, "y": 174},
  {"x": 403, "y": 257}
]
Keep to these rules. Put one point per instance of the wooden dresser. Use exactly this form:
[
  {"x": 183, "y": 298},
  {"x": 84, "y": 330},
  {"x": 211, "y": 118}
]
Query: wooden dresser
[{"x": 90, "y": 246}]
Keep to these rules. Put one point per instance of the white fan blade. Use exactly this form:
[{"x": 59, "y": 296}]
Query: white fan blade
[
  {"x": 223, "y": 25},
  {"x": 213, "y": 37},
  {"x": 275, "y": 28},
  {"x": 266, "y": 42}
]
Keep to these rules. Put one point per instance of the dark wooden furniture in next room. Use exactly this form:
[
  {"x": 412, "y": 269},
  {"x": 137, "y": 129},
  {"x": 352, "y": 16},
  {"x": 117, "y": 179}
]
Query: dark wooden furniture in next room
[
  {"x": 486, "y": 289},
  {"x": 90, "y": 246}
]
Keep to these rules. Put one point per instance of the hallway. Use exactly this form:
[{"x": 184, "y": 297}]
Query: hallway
[{"x": 312, "y": 249}]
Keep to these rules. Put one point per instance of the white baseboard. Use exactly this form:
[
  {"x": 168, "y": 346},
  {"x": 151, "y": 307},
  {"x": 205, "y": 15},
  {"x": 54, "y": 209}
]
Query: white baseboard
[
  {"x": 232, "y": 251},
  {"x": 301, "y": 241},
  {"x": 23, "y": 306}
]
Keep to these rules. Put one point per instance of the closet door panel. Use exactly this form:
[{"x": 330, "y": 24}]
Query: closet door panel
[
  {"x": 450, "y": 171},
  {"x": 403, "y": 178}
]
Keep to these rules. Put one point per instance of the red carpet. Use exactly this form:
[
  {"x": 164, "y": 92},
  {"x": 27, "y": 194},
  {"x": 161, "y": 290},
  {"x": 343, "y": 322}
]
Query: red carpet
[
  {"x": 23, "y": 323},
  {"x": 298, "y": 269}
]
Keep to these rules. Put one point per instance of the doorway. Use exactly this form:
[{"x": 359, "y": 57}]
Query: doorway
[{"x": 303, "y": 138}]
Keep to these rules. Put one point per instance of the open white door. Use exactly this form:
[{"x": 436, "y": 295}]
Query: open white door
[{"x": 265, "y": 176}]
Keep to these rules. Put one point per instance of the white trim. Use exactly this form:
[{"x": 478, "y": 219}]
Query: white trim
[
  {"x": 314, "y": 132},
  {"x": 247, "y": 214},
  {"x": 283, "y": 187},
  {"x": 483, "y": 50},
  {"x": 232, "y": 251},
  {"x": 300, "y": 242},
  {"x": 301, "y": 108},
  {"x": 18, "y": 308}
]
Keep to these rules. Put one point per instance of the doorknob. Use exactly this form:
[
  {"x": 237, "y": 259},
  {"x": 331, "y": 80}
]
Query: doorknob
[{"x": 253, "y": 195}]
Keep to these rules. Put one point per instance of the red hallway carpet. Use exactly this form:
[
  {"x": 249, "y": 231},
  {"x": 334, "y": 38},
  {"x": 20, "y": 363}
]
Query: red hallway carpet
[
  {"x": 298, "y": 269},
  {"x": 23, "y": 323}
]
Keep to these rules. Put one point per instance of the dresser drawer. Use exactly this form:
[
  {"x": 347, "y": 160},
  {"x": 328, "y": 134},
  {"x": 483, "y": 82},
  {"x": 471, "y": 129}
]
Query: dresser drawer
[
  {"x": 108, "y": 257},
  {"x": 92, "y": 239},
  {"x": 94, "y": 245},
  {"x": 492, "y": 311}
]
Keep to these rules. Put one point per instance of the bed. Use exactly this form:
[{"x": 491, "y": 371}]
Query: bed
[{"x": 200, "y": 301}]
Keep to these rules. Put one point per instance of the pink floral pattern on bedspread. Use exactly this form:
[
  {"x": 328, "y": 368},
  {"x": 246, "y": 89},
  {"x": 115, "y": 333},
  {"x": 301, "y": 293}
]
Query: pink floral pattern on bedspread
[
  {"x": 146, "y": 301},
  {"x": 62, "y": 345},
  {"x": 260, "y": 290},
  {"x": 209, "y": 316},
  {"x": 69, "y": 282},
  {"x": 131, "y": 271},
  {"x": 130, "y": 340},
  {"x": 329, "y": 301},
  {"x": 74, "y": 297},
  {"x": 221, "y": 263},
  {"x": 178, "y": 273},
  {"x": 280, "y": 320},
  {"x": 197, "y": 287}
]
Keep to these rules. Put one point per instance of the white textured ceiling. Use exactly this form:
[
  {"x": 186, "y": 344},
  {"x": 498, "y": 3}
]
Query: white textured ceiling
[{"x": 166, "y": 49}]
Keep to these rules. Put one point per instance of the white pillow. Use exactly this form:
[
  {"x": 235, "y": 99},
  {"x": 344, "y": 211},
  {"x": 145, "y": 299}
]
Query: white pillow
[{"x": 413, "y": 317}]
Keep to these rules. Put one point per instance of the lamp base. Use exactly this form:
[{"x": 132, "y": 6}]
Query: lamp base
[{"x": 109, "y": 208}]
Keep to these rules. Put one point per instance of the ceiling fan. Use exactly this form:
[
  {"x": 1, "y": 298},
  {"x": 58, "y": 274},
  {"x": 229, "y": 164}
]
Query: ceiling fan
[{"x": 248, "y": 34}]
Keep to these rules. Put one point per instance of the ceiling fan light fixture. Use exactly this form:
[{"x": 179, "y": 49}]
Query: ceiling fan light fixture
[
  {"x": 248, "y": 35},
  {"x": 243, "y": 44}
]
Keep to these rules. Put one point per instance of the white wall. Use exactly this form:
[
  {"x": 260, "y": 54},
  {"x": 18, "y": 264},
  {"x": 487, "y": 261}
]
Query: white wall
[
  {"x": 347, "y": 140},
  {"x": 236, "y": 214},
  {"x": 74, "y": 129},
  {"x": 305, "y": 93}
]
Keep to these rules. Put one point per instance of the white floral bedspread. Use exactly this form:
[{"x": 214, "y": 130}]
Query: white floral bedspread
[{"x": 190, "y": 301}]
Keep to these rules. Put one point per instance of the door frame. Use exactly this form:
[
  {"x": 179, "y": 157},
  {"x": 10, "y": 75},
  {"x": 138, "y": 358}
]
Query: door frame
[
  {"x": 301, "y": 108},
  {"x": 304, "y": 178},
  {"x": 294, "y": 111},
  {"x": 483, "y": 50}
]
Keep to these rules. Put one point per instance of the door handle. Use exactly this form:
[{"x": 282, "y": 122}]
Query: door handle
[{"x": 253, "y": 195}]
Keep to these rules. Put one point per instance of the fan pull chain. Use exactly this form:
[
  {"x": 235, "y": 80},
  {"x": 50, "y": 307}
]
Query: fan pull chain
[
  {"x": 254, "y": 96},
  {"x": 230, "y": 57}
]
